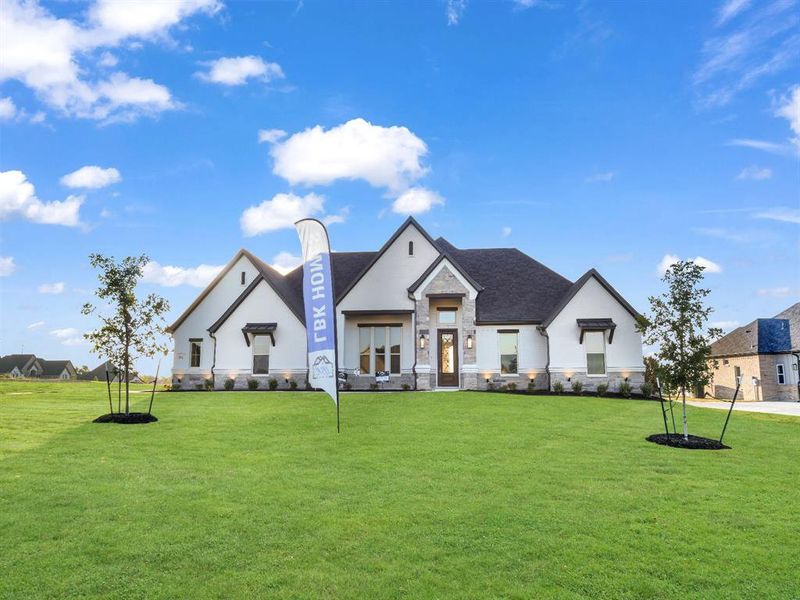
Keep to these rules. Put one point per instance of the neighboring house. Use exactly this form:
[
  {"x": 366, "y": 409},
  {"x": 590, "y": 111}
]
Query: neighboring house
[
  {"x": 99, "y": 373},
  {"x": 430, "y": 314},
  {"x": 58, "y": 369},
  {"x": 764, "y": 355},
  {"x": 21, "y": 365}
]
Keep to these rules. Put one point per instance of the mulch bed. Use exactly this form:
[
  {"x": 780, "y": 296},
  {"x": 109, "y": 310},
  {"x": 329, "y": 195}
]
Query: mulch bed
[
  {"x": 694, "y": 442},
  {"x": 133, "y": 418}
]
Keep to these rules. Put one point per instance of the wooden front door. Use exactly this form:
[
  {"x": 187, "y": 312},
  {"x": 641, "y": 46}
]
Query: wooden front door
[{"x": 447, "y": 372}]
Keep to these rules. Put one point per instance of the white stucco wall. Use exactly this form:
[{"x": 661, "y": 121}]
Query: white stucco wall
[
  {"x": 263, "y": 305},
  {"x": 205, "y": 314},
  {"x": 531, "y": 351},
  {"x": 593, "y": 301},
  {"x": 386, "y": 284}
]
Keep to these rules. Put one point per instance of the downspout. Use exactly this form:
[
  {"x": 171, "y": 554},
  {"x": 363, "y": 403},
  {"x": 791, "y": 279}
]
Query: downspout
[
  {"x": 797, "y": 358},
  {"x": 543, "y": 331},
  {"x": 213, "y": 362}
]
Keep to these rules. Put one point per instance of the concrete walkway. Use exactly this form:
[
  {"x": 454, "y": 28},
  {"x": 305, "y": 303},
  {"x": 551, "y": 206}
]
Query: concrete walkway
[{"x": 774, "y": 408}]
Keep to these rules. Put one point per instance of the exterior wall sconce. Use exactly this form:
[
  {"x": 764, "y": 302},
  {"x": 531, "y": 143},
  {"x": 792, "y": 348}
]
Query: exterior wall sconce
[
  {"x": 626, "y": 380},
  {"x": 487, "y": 380},
  {"x": 469, "y": 342},
  {"x": 286, "y": 380},
  {"x": 422, "y": 341},
  {"x": 569, "y": 379}
]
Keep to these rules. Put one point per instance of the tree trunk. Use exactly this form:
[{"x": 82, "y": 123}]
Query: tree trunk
[
  {"x": 685, "y": 424},
  {"x": 127, "y": 370}
]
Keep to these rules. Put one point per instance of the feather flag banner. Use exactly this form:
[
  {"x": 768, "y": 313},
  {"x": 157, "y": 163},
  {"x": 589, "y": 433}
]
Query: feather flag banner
[{"x": 320, "y": 308}]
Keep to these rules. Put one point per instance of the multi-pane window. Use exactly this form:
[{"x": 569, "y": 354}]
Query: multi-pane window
[
  {"x": 781, "y": 374},
  {"x": 195, "y": 349},
  {"x": 379, "y": 348},
  {"x": 447, "y": 316},
  {"x": 261, "y": 345},
  {"x": 508, "y": 343},
  {"x": 595, "y": 342}
]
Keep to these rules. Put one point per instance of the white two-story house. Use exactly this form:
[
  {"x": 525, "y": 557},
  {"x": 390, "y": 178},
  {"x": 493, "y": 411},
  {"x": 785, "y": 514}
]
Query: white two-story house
[{"x": 430, "y": 314}]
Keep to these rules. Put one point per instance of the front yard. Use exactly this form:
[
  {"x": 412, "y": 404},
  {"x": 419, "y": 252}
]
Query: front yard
[{"x": 464, "y": 495}]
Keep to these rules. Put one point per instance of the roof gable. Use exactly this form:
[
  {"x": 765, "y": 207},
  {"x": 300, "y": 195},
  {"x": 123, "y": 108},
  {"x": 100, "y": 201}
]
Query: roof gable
[
  {"x": 411, "y": 221},
  {"x": 578, "y": 285},
  {"x": 762, "y": 336}
]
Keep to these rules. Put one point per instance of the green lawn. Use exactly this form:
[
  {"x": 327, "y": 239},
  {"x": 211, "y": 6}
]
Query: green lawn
[{"x": 452, "y": 495}]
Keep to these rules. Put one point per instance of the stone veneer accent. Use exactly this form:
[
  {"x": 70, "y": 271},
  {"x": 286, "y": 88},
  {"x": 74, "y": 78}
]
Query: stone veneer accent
[{"x": 445, "y": 282}]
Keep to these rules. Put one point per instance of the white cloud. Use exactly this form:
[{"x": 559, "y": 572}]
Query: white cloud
[
  {"x": 18, "y": 198},
  {"x": 52, "y": 288},
  {"x": 108, "y": 60},
  {"x": 453, "y": 10},
  {"x": 8, "y": 110},
  {"x": 54, "y": 56},
  {"x": 91, "y": 176},
  {"x": 416, "y": 200},
  {"x": 787, "y": 215},
  {"x": 670, "y": 259},
  {"x": 280, "y": 213},
  {"x": 36, "y": 325},
  {"x": 170, "y": 276},
  {"x": 601, "y": 177},
  {"x": 776, "y": 292},
  {"x": 754, "y": 173},
  {"x": 506, "y": 231},
  {"x": 763, "y": 145},
  {"x": 7, "y": 266},
  {"x": 270, "y": 136},
  {"x": 764, "y": 44},
  {"x": 386, "y": 157},
  {"x": 283, "y": 262},
  {"x": 236, "y": 70},
  {"x": 726, "y": 326},
  {"x": 730, "y": 9},
  {"x": 69, "y": 336},
  {"x": 789, "y": 109},
  {"x": 64, "y": 333}
]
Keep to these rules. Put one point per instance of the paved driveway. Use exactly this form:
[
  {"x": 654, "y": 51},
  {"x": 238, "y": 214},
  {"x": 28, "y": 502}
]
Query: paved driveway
[{"x": 773, "y": 408}]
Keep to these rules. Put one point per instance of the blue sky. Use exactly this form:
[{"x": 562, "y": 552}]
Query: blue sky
[{"x": 607, "y": 135}]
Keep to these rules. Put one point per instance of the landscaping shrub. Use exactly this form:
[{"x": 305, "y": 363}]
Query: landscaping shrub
[
  {"x": 292, "y": 384},
  {"x": 209, "y": 383},
  {"x": 512, "y": 387},
  {"x": 273, "y": 383},
  {"x": 405, "y": 387},
  {"x": 531, "y": 386},
  {"x": 348, "y": 386},
  {"x": 602, "y": 388},
  {"x": 577, "y": 387},
  {"x": 252, "y": 384},
  {"x": 625, "y": 389},
  {"x": 373, "y": 386},
  {"x": 558, "y": 387},
  {"x": 229, "y": 383},
  {"x": 198, "y": 387},
  {"x": 647, "y": 390}
]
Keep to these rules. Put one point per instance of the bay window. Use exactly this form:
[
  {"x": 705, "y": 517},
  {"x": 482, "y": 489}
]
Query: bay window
[
  {"x": 595, "y": 342},
  {"x": 379, "y": 348}
]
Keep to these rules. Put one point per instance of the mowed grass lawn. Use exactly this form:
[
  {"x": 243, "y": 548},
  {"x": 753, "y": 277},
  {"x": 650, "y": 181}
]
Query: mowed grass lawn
[{"x": 422, "y": 495}]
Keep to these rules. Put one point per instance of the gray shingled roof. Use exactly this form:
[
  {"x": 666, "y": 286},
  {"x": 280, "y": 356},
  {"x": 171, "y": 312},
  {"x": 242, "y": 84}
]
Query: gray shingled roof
[
  {"x": 9, "y": 361},
  {"x": 516, "y": 288},
  {"x": 762, "y": 336},
  {"x": 54, "y": 368}
]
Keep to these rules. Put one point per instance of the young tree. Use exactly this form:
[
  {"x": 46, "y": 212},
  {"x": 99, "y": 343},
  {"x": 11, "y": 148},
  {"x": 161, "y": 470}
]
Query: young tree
[
  {"x": 677, "y": 326},
  {"x": 134, "y": 327}
]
